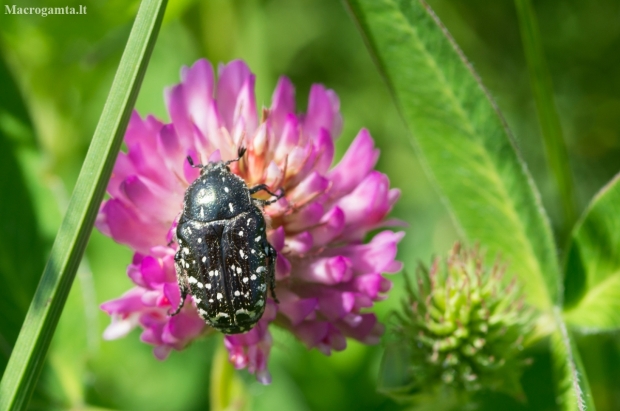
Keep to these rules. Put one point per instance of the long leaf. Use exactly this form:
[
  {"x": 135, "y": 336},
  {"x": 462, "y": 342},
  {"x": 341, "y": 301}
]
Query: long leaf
[
  {"x": 462, "y": 139},
  {"x": 542, "y": 88},
  {"x": 469, "y": 152},
  {"x": 592, "y": 269},
  {"x": 30, "y": 350}
]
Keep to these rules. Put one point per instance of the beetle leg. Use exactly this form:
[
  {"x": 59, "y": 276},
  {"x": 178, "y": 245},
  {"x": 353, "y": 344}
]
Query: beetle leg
[
  {"x": 272, "y": 276},
  {"x": 182, "y": 281},
  {"x": 264, "y": 187}
]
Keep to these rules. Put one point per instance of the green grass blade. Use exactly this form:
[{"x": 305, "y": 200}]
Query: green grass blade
[
  {"x": 542, "y": 88},
  {"x": 462, "y": 140},
  {"x": 592, "y": 269},
  {"x": 30, "y": 350},
  {"x": 572, "y": 388}
]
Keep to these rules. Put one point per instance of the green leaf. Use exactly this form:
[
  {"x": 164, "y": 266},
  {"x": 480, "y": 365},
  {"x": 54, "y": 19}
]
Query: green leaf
[
  {"x": 463, "y": 141},
  {"x": 22, "y": 253},
  {"x": 550, "y": 126},
  {"x": 592, "y": 269},
  {"x": 572, "y": 390},
  {"x": 30, "y": 350}
]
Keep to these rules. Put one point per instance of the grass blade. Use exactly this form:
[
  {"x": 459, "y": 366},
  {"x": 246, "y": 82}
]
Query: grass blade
[
  {"x": 542, "y": 88},
  {"x": 33, "y": 341}
]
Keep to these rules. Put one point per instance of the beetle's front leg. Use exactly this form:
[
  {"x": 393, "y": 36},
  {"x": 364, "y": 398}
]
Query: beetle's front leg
[
  {"x": 181, "y": 280},
  {"x": 272, "y": 274},
  {"x": 264, "y": 187}
]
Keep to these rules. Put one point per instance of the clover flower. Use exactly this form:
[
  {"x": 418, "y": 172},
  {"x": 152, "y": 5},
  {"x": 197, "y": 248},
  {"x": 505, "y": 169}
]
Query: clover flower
[
  {"x": 327, "y": 275},
  {"x": 462, "y": 329}
]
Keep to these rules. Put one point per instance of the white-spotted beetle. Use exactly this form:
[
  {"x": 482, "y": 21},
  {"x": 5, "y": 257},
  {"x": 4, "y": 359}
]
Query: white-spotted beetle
[{"x": 224, "y": 259}]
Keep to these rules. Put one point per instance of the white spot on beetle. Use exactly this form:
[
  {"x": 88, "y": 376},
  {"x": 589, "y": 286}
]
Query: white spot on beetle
[
  {"x": 260, "y": 269},
  {"x": 197, "y": 300},
  {"x": 199, "y": 240},
  {"x": 244, "y": 311},
  {"x": 249, "y": 221},
  {"x": 203, "y": 312},
  {"x": 245, "y": 279},
  {"x": 204, "y": 259},
  {"x": 257, "y": 239},
  {"x": 237, "y": 293},
  {"x": 186, "y": 265},
  {"x": 211, "y": 273},
  {"x": 253, "y": 277},
  {"x": 199, "y": 284},
  {"x": 260, "y": 303},
  {"x": 220, "y": 315},
  {"x": 232, "y": 267},
  {"x": 219, "y": 296},
  {"x": 208, "y": 286},
  {"x": 241, "y": 253},
  {"x": 262, "y": 287},
  {"x": 241, "y": 233},
  {"x": 202, "y": 212},
  {"x": 192, "y": 280},
  {"x": 210, "y": 300},
  {"x": 216, "y": 273},
  {"x": 253, "y": 251},
  {"x": 231, "y": 207},
  {"x": 186, "y": 250},
  {"x": 226, "y": 189},
  {"x": 239, "y": 270}
]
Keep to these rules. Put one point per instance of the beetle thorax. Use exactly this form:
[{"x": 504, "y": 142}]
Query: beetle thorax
[{"x": 217, "y": 194}]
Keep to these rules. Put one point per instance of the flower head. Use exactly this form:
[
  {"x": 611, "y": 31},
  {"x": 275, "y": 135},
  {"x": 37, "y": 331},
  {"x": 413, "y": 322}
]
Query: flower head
[
  {"x": 462, "y": 329},
  {"x": 327, "y": 276}
]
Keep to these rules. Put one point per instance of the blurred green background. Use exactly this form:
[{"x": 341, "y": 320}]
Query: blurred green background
[{"x": 55, "y": 73}]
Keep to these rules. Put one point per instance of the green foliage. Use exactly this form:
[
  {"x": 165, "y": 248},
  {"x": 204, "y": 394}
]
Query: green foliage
[
  {"x": 227, "y": 392},
  {"x": 469, "y": 153},
  {"x": 592, "y": 271},
  {"x": 551, "y": 130},
  {"x": 63, "y": 68},
  {"x": 26, "y": 362},
  {"x": 572, "y": 388},
  {"x": 463, "y": 141},
  {"x": 21, "y": 251}
]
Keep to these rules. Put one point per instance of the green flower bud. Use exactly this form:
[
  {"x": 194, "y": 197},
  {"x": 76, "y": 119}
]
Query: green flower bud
[{"x": 461, "y": 330}]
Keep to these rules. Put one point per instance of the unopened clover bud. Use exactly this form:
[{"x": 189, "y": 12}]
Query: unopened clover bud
[{"x": 461, "y": 330}]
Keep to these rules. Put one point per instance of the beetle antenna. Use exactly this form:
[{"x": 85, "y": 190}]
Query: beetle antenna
[
  {"x": 240, "y": 153},
  {"x": 190, "y": 160}
]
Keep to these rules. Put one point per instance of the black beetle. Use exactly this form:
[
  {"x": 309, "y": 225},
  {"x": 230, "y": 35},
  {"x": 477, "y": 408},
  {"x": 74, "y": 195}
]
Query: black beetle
[{"x": 224, "y": 259}]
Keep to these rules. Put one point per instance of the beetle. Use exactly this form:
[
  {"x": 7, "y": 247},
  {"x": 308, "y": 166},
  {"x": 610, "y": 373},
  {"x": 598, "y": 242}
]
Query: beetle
[{"x": 224, "y": 259}]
